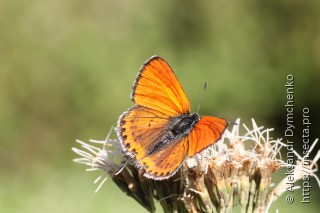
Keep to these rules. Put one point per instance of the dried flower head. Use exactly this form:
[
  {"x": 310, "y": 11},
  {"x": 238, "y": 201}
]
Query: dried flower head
[{"x": 236, "y": 170}]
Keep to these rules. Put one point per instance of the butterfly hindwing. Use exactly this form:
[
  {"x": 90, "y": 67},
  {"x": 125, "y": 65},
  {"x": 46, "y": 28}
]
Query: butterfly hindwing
[
  {"x": 165, "y": 162},
  {"x": 205, "y": 133},
  {"x": 140, "y": 129}
]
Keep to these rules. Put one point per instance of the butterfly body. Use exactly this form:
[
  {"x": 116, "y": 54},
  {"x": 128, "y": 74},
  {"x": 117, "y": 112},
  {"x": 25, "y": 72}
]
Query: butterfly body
[
  {"x": 183, "y": 124},
  {"x": 159, "y": 132},
  {"x": 178, "y": 128}
]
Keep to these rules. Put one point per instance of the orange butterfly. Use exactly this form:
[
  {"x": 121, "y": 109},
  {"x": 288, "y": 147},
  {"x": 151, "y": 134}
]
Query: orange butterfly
[{"x": 159, "y": 132}]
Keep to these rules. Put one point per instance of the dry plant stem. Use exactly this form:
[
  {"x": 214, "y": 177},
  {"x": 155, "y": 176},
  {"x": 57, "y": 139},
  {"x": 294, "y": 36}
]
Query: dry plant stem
[
  {"x": 211, "y": 188},
  {"x": 190, "y": 204},
  {"x": 168, "y": 192},
  {"x": 148, "y": 191},
  {"x": 251, "y": 196},
  {"x": 262, "y": 193},
  {"x": 196, "y": 182},
  {"x": 244, "y": 187},
  {"x": 127, "y": 182}
]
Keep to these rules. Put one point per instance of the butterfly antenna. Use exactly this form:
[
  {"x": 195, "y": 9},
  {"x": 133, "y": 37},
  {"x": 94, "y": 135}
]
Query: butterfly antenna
[{"x": 201, "y": 98}]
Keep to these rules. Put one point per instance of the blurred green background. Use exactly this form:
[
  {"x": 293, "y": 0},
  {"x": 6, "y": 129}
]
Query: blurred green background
[{"x": 67, "y": 67}]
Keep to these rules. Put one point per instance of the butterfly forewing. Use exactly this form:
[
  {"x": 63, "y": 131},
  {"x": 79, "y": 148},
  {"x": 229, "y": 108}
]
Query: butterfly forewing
[{"x": 157, "y": 87}]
